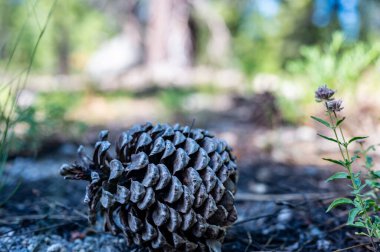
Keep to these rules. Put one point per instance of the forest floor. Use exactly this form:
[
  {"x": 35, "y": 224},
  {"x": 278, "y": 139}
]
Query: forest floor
[
  {"x": 280, "y": 207},
  {"x": 281, "y": 200}
]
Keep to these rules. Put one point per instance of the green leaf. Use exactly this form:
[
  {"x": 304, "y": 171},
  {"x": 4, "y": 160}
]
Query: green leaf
[
  {"x": 354, "y": 158},
  {"x": 352, "y": 215},
  {"x": 340, "y": 121},
  {"x": 357, "y": 181},
  {"x": 357, "y": 191},
  {"x": 356, "y": 138},
  {"x": 359, "y": 225},
  {"x": 338, "y": 162},
  {"x": 375, "y": 174},
  {"x": 321, "y": 121},
  {"x": 329, "y": 138},
  {"x": 339, "y": 201},
  {"x": 368, "y": 162},
  {"x": 357, "y": 174},
  {"x": 371, "y": 194},
  {"x": 370, "y": 202},
  {"x": 372, "y": 147},
  {"x": 338, "y": 175}
]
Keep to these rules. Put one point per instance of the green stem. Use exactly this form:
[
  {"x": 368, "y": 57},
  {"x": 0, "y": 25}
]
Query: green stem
[
  {"x": 351, "y": 174},
  {"x": 336, "y": 135},
  {"x": 343, "y": 138}
]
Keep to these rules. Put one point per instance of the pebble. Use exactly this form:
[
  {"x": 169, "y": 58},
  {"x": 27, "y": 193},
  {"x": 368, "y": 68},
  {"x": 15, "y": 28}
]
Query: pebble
[
  {"x": 285, "y": 216},
  {"x": 323, "y": 245},
  {"x": 57, "y": 247},
  {"x": 55, "y": 243}
]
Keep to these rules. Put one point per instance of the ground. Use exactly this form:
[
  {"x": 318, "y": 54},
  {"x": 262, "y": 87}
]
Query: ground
[
  {"x": 281, "y": 198},
  {"x": 281, "y": 208}
]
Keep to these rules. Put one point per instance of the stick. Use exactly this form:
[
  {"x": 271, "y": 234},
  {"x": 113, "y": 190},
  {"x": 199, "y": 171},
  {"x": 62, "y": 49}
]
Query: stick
[{"x": 283, "y": 197}]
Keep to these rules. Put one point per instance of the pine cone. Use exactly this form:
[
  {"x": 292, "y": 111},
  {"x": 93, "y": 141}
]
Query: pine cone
[{"x": 168, "y": 188}]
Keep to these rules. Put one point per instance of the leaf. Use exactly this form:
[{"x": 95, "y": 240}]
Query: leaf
[
  {"x": 358, "y": 224},
  {"x": 354, "y": 158},
  {"x": 375, "y": 174},
  {"x": 356, "y": 138},
  {"x": 357, "y": 191},
  {"x": 372, "y": 147},
  {"x": 357, "y": 174},
  {"x": 338, "y": 175},
  {"x": 340, "y": 121},
  {"x": 352, "y": 215},
  {"x": 339, "y": 201},
  {"x": 321, "y": 121},
  {"x": 357, "y": 181},
  {"x": 338, "y": 162},
  {"x": 329, "y": 138},
  {"x": 362, "y": 233},
  {"x": 368, "y": 162},
  {"x": 370, "y": 202}
]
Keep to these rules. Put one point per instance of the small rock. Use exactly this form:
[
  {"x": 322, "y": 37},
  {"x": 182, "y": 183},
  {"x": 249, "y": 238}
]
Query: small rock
[
  {"x": 316, "y": 232},
  {"x": 293, "y": 247},
  {"x": 258, "y": 188},
  {"x": 285, "y": 216},
  {"x": 57, "y": 247},
  {"x": 24, "y": 243},
  {"x": 323, "y": 245},
  {"x": 47, "y": 240},
  {"x": 32, "y": 247}
]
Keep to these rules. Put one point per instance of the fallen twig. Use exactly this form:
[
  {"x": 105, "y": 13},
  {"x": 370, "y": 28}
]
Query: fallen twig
[
  {"x": 257, "y": 217},
  {"x": 284, "y": 197},
  {"x": 352, "y": 247}
]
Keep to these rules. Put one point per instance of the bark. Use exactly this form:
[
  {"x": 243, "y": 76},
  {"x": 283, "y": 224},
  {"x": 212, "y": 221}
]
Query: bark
[{"x": 168, "y": 35}]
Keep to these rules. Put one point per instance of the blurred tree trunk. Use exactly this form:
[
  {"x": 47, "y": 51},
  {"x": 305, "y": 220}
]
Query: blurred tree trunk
[
  {"x": 62, "y": 41},
  {"x": 218, "y": 49},
  {"x": 168, "y": 35},
  {"x": 63, "y": 51}
]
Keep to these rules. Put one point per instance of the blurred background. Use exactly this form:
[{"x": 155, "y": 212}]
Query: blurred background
[{"x": 244, "y": 69}]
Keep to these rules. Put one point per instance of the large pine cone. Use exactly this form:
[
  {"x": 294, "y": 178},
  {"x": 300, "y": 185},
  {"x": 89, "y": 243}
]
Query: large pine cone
[{"x": 167, "y": 188}]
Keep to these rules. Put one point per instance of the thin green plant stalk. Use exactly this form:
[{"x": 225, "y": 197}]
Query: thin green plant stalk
[
  {"x": 8, "y": 108},
  {"x": 348, "y": 166},
  {"x": 364, "y": 214}
]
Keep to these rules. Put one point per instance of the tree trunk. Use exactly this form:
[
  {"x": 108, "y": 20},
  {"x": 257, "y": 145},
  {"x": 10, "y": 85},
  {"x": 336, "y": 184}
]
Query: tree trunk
[{"x": 168, "y": 36}]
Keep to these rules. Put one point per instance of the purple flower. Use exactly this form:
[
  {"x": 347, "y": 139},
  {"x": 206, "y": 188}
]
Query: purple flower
[
  {"x": 334, "y": 105},
  {"x": 323, "y": 93}
]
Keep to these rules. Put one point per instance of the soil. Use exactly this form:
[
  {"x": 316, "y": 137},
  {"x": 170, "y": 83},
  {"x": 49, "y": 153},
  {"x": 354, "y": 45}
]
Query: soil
[
  {"x": 281, "y": 200},
  {"x": 280, "y": 207}
]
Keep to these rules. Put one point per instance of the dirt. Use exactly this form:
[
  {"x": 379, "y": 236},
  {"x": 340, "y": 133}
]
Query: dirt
[
  {"x": 281, "y": 208},
  {"x": 281, "y": 199}
]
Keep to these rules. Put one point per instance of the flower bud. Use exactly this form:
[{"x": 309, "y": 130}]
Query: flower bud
[
  {"x": 334, "y": 105},
  {"x": 323, "y": 93}
]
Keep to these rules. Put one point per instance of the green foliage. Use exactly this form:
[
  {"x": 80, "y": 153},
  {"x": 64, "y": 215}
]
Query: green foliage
[
  {"x": 44, "y": 119},
  {"x": 75, "y": 30},
  {"x": 339, "y": 201},
  {"x": 10, "y": 90},
  {"x": 336, "y": 62},
  {"x": 259, "y": 41},
  {"x": 338, "y": 175},
  {"x": 6, "y": 112},
  {"x": 173, "y": 98},
  {"x": 364, "y": 199}
]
